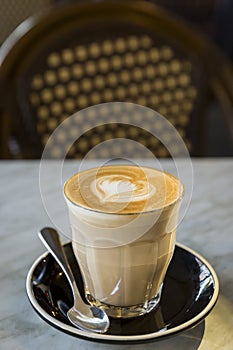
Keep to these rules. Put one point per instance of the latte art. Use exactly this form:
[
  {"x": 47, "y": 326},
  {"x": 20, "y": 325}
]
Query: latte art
[{"x": 121, "y": 189}]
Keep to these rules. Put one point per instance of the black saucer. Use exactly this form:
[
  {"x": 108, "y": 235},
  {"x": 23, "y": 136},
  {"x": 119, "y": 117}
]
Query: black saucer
[{"x": 190, "y": 292}]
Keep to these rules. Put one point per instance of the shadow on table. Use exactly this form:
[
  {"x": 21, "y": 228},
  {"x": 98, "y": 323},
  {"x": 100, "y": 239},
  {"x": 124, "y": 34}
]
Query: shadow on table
[{"x": 188, "y": 340}]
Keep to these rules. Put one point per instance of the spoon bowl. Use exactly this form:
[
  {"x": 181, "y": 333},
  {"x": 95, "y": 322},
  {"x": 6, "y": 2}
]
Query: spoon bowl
[
  {"x": 98, "y": 317},
  {"x": 81, "y": 315}
]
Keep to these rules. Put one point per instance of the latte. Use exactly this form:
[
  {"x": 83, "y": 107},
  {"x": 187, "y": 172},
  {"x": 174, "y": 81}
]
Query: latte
[
  {"x": 123, "y": 221},
  {"x": 122, "y": 189}
]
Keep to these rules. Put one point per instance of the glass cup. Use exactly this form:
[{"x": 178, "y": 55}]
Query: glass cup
[{"x": 124, "y": 257}]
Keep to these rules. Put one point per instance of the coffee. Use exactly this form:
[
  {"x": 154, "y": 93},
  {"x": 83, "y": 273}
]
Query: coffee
[
  {"x": 122, "y": 189},
  {"x": 123, "y": 220}
]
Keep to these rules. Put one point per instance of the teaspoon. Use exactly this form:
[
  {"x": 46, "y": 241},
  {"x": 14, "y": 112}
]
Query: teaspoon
[{"x": 81, "y": 315}]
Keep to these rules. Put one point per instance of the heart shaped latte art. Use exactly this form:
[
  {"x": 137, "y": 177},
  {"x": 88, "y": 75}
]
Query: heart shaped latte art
[{"x": 123, "y": 189}]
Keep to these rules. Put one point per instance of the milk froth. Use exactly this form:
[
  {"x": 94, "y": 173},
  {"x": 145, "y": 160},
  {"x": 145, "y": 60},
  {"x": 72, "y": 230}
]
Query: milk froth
[{"x": 122, "y": 189}]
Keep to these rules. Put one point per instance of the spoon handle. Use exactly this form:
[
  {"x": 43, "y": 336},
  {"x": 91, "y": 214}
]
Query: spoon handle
[
  {"x": 51, "y": 240},
  {"x": 81, "y": 315}
]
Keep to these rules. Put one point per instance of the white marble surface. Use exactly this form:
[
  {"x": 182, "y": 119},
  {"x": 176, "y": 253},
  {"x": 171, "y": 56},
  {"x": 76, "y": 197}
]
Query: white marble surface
[{"x": 206, "y": 228}]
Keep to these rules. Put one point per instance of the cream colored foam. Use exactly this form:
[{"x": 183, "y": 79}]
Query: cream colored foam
[{"x": 122, "y": 189}]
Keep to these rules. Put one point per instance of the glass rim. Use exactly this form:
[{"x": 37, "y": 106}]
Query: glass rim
[{"x": 99, "y": 211}]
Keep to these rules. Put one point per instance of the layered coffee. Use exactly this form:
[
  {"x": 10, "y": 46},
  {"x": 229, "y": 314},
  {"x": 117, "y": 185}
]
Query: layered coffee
[{"x": 123, "y": 220}]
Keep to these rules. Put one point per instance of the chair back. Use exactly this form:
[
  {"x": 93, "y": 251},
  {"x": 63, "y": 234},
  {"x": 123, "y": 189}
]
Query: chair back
[{"x": 84, "y": 54}]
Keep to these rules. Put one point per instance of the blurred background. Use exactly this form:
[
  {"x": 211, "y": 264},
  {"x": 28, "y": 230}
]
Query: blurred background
[{"x": 212, "y": 19}]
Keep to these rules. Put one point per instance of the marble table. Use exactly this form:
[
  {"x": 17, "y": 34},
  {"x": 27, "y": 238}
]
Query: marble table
[{"x": 206, "y": 228}]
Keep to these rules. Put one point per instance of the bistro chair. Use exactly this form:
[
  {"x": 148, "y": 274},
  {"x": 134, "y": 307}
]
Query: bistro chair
[
  {"x": 12, "y": 13},
  {"x": 82, "y": 54}
]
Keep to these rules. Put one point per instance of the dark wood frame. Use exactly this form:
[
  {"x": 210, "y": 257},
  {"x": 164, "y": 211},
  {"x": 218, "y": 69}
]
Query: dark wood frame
[{"x": 219, "y": 72}]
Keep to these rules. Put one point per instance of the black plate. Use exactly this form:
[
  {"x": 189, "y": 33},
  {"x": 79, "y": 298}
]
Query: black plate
[{"x": 190, "y": 292}]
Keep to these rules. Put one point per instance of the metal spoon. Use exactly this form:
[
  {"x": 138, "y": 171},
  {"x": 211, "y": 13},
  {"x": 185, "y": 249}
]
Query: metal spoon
[{"x": 81, "y": 315}]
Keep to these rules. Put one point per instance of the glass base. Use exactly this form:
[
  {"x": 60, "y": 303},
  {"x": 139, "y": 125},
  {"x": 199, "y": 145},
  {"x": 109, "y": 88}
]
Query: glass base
[{"x": 126, "y": 311}]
